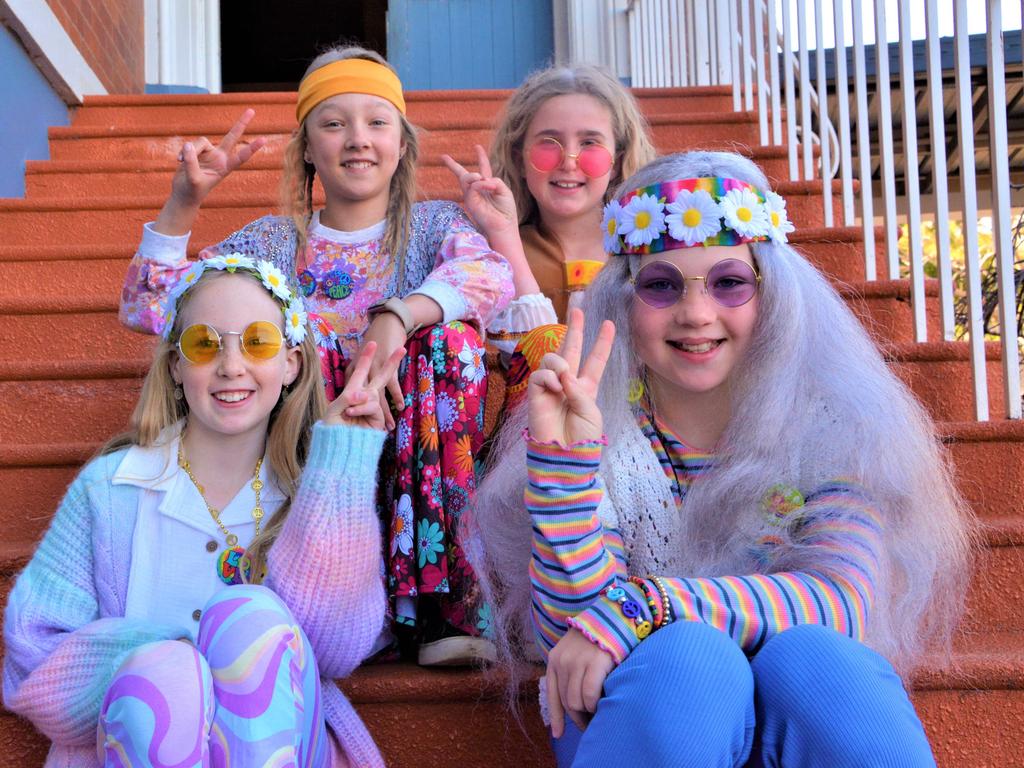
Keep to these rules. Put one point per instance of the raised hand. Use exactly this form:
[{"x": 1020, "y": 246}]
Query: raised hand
[
  {"x": 486, "y": 197},
  {"x": 360, "y": 403},
  {"x": 575, "y": 680},
  {"x": 201, "y": 167},
  {"x": 562, "y": 395},
  {"x": 387, "y": 334}
]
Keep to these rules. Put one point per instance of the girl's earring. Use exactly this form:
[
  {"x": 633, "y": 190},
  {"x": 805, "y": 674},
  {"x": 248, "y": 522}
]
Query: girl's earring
[
  {"x": 179, "y": 393},
  {"x": 636, "y": 391}
]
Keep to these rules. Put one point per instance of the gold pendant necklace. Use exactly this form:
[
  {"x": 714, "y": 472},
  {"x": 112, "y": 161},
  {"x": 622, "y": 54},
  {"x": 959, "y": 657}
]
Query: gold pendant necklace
[{"x": 233, "y": 566}]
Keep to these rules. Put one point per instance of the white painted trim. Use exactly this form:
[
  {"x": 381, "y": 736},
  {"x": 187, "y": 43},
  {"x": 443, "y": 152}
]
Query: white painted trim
[{"x": 51, "y": 49}]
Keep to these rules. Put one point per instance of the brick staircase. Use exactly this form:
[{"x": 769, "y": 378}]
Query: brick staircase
[{"x": 69, "y": 375}]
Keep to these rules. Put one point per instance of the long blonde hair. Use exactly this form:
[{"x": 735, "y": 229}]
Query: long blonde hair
[
  {"x": 297, "y": 178},
  {"x": 633, "y": 147},
  {"x": 288, "y": 434}
]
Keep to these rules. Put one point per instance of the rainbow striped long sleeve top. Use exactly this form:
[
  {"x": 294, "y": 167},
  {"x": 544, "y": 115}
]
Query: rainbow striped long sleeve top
[{"x": 576, "y": 559}]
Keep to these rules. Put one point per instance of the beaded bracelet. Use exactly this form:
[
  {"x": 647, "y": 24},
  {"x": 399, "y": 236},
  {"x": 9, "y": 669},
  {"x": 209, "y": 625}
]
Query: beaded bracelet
[
  {"x": 665, "y": 604},
  {"x": 657, "y": 614},
  {"x": 631, "y": 610}
]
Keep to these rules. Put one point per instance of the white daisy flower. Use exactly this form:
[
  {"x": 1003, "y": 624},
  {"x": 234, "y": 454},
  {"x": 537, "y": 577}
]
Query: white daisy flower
[
  {"x": 169, "y": 317},
  {"x": 186, "y": 281},
  {"x": 274, "y": 280},
  {"x": 231, "y": 262},
  {"x": 295, "y": 323},
  {"x": 642, "y": 220},
  {"x": 779, "y": 224},
  {"x": 610, "y": 227},
  {"x": 744, "y": 213},
  {"x": 693, "y": 217}
]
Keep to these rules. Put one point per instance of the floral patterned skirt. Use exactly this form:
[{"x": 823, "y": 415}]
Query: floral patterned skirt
[{"x": 427, "y": 477}]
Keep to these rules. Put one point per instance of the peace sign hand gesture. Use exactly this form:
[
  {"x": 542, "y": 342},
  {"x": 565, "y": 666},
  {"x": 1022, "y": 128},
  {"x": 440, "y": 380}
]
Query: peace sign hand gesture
[
  {"x": 360, "y": 403},
  {"x": 487, "y": 198},
  {"x": 202, "y": 166},
  {"x": 563, "y": 395}
]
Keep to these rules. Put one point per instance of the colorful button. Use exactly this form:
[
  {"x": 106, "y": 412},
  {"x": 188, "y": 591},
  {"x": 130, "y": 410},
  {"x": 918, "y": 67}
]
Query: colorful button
[
  {"x": 211, "y": 546},
  {"x": 196, "y": 614}
]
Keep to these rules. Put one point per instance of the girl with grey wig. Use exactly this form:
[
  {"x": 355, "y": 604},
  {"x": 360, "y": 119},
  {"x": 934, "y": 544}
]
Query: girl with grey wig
[{"x": 752, "y": 600}]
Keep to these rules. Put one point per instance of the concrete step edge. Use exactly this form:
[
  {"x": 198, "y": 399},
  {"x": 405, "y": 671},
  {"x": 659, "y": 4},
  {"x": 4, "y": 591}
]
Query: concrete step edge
[
  {"x": 411, "y": 97},
  {"x": 264, "y": 200},
  {"x": 269, "y": 162},
  {"x": 806, "y": 237},
  {"x": 435, "y": 122}
]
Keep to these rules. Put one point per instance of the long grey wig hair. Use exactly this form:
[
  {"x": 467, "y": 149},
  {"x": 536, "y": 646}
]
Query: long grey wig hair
[{"x": 812, "y": 401}]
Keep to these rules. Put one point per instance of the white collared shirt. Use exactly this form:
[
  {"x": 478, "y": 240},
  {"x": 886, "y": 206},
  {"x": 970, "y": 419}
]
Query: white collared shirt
[{"x": 176, "y": 543}]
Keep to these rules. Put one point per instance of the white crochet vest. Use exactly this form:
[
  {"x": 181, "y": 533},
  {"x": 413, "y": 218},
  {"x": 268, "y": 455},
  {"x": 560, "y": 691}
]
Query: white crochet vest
[{"x": 638, "y": 503}]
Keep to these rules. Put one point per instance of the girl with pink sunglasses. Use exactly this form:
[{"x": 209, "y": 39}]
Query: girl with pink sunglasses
[{"x": 567, "y": 136}]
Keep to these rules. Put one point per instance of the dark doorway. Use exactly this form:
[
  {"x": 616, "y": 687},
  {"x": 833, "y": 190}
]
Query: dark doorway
[{"x": 267, "y": 44}]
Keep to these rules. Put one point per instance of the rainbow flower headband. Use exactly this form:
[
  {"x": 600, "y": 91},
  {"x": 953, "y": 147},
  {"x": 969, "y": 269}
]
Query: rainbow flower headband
[
  {"x": 271, "y": 277},
  {"x": 689, "y": 212}
]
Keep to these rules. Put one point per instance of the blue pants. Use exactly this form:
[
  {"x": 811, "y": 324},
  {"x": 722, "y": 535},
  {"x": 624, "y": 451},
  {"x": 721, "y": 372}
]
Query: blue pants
[{"x": 688, "y": 696}]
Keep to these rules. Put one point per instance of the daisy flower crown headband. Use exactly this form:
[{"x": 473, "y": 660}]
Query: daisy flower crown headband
[
  {"x": 272, "y": 278},
  {"x": 685, "y": 213}
]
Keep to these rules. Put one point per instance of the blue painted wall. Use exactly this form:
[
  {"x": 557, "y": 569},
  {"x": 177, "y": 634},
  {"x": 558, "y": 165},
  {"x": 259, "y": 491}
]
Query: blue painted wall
[
  {"x": 28, "y": 106},
  {"x": 440, "y": 44}
]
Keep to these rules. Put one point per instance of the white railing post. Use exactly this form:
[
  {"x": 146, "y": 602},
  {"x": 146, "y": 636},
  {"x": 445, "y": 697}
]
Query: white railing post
[
  {"x": 734, "y": 56},
  {"x": 886, "y": 155},
  {"x": 745, "y": 64},
  {"x": 773, "y": 73},
  {"x": 823, "y": 118},
  {"x": 1001, "y": 221},
  {"x": 968, "y": 189},
  {"x": 911, "y": 181},
  {"x": 787, "y": 66},
  {"x": 843, "y": 100},
  {"x": 867, "y": 207},
  {"x": 940, "y": 188},
  {"x": 805, "y": 94},
  {"x": 759, "y": 65}
]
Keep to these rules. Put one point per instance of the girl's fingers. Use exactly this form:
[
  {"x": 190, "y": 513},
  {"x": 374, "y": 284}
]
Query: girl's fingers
[
  {"x": 361, "y": 369},
  {"x": 593, "y": 366},
  {"x": 591, "y": 687},
  {"x": 555, "y": 710},
  {"x": 458, "y": 170},
  {"x": 389, "y": 419},
  {"x": 389, "y": 370},
  {"x": 236, "y": 131},
  {"x": 246, "y": 151},
  {"x": 483, "y": 162},
  {"x": 572, "y": 344},
  {"x": 546, "y": 381},
  {"x": 395, "y": 390}
]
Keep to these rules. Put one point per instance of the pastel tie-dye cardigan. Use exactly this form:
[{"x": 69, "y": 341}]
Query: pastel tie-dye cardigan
[{"x": 65, "y": 631}]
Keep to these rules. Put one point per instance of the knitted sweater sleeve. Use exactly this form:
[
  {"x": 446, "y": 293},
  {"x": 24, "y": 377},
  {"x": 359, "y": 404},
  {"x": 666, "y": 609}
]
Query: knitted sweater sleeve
[
  {"x": 60, "y": 655},
  {"x": 470, "y": 281},
  {"x": 161, "y": 259},
  {"x": 325, "y": 563},
  {"x": 839, "y": 525}
]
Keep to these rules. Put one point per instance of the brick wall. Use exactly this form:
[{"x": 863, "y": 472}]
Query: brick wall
[{"x": 110, "y": 36}]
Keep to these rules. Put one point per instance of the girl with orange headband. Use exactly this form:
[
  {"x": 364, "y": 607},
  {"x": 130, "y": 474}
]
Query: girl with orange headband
[{"x": 373, "y": 265}]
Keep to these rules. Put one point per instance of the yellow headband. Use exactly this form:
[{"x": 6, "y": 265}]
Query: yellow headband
[{"x": 348, "y": 76}]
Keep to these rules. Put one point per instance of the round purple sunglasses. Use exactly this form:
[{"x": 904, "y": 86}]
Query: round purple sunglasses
[{"x": 729, "y": 282}]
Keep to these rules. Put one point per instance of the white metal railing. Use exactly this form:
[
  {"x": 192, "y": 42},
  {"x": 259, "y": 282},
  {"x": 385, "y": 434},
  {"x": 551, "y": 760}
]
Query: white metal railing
[{"x": 682, "y": 42}]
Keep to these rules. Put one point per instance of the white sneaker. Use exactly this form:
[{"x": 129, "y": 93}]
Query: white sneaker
[{"x": 458, "y": 651}]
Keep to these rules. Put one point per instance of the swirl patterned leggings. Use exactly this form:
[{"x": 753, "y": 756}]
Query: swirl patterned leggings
[{"x": 248, "y": 693}]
